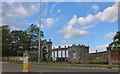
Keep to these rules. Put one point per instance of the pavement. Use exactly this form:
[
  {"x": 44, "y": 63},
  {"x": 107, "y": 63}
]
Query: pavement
[{"x": 11, "y": 67}]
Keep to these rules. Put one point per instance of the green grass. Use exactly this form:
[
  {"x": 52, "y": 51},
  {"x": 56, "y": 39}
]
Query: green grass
[
  {"x": 76, "y": 65},
  {"x": 70, "y": 65}
]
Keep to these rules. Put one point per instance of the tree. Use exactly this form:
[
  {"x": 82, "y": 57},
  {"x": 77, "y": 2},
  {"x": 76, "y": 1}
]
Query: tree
[
  {"x": 18, "y": 42},
  {"x": 5, "y": 40},
  {"x": 33, "y": 34},
  {"x": 116, "y": 40}
]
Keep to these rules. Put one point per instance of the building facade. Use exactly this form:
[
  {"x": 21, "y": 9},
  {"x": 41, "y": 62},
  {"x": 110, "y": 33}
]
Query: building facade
[
  {"x": 45, "y": 52},
  {"x": 78, "y": 54}
]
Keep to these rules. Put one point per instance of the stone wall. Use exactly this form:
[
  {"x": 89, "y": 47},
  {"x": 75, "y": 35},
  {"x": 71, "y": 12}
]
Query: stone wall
[
  {"x": 12, "y": 59},
  {"x": 78, "y": 54},
  {"x": 98, "y": 57},
  {"x": 48, "y": 46}
]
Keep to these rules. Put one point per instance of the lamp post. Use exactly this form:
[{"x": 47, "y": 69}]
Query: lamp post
[{"x": 39, "y": 50}]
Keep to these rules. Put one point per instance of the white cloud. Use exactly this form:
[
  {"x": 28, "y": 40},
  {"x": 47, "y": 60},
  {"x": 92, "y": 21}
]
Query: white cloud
[
  {"x": 99, "y": 48},
  {"x": 89, "y": 21},
  {"x": 107, "y": 15},
  {"x": 86, "y": 21},
  {"x": 58, "y": 11},
  {"x": 49, "y": 21},
  {"x": 89, "y": 26},
  {"x": 110, "y": 14},
  {"x": 102, "y": 46},
  {"x": 20, "y": 10},
  {"x": 73, "y": 32},
  {"x": 95, "y": 8},
  {"x": 72, "y": 21},
  {"x": 38, "y": 24},
  {"x": 52, "y": 8},
  {"x": 14, "y": 28},
  {"x": 110, "y": 35},
  {"x": 70, "y": 32}
]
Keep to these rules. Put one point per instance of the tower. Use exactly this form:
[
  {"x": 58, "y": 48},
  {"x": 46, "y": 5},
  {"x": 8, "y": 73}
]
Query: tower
[{"x": 46, "y": 51}]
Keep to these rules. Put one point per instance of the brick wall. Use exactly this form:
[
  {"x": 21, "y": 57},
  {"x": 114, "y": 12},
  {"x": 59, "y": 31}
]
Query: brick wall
[{"x": 115, "y": 56}]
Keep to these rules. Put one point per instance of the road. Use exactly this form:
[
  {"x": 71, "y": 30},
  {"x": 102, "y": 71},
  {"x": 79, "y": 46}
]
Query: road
[{"x": 10, "y": 67}]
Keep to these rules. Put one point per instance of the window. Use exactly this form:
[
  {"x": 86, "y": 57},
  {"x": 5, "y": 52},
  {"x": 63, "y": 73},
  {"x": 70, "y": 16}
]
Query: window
[{"x": 74, "y": 54}]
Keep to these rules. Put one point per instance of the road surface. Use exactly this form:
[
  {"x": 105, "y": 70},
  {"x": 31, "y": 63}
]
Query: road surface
[{"x": 10, "y": 67}]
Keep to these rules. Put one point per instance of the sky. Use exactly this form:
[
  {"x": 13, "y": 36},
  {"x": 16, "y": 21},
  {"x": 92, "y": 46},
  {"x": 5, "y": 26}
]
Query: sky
[{"x": 93, "y": 24}]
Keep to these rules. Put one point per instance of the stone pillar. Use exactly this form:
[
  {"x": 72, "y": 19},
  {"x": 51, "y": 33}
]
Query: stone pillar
[
  {"x": 65, "y": 56},
  {"x": 57, "y": 56},
  {"x": 41, "y": 54},
  {"x": 109, "y": 57},
  {"x": 49, "y": 47},
  {"x": 54, "y": 53},
  {"x": 53, "y": 56},
  {"x": 61, "y": 55}
]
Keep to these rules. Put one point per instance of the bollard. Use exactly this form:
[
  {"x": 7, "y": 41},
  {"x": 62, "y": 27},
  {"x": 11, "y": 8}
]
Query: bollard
[{"x": 26, "y": 63}]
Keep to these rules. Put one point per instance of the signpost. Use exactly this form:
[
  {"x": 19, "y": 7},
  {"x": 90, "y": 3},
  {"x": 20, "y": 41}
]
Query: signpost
[{"x": 26, "y": 62}]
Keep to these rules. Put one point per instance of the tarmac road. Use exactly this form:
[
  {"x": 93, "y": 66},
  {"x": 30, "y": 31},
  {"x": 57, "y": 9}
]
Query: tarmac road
[{"x": 10, "y": 67}]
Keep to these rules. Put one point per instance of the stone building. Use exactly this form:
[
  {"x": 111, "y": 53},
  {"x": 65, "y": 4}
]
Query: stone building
[
  {"x": 61, "y": 58},
  {"x": 46, "y": 51},
  {"x": 111, "y": 56},
  {"x": 78, "y": 54}
]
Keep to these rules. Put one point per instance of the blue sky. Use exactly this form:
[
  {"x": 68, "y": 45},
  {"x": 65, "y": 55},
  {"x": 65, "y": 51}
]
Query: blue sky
[{"x": 66, "y": 23}]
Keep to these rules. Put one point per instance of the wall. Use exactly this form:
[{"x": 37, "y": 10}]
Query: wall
[
  {"x": 78, "y": 54},
  {"x": 115, "y": 56},
  {"x": 12, "y": 59},
  {"x": 99, "y": 57}
]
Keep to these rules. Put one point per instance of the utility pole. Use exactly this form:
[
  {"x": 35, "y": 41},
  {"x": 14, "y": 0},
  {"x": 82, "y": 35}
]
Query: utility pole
[{"x": 39, "y": 50}]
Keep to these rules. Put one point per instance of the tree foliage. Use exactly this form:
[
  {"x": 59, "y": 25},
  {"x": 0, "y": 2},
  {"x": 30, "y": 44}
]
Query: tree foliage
[
  {"x": 33, "y": 33},
  {"x": 116, "y": 40},
  {"x": 17, "y": 41},
  {"x": 5, "y": 40}
]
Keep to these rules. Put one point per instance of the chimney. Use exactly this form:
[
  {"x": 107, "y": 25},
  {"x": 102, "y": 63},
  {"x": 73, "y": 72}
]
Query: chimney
[
  {"x": 108, "y": 48},
  {"x": 96, "y": 51},
  {"x": 68, "y": 46},
  {"x": 65, "y": 46},
  {"x": 59, "y": 47}
]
